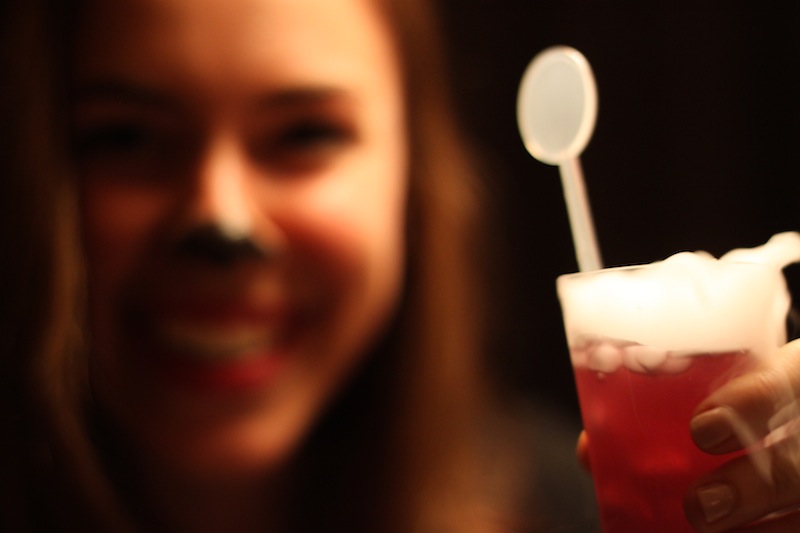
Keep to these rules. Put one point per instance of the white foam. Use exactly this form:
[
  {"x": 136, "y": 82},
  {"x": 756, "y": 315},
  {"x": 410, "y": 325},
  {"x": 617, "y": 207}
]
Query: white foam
[
  {"x": 781, "y": 250},
  {"x": 651, "y": 316}
]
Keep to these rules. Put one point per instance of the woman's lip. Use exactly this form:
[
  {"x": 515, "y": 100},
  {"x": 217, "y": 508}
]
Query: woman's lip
[
  {"x": 219, "y": 311},
  {"x": 212, "y": 341},
  {"x": 256, "y": 371},
  {"x": 213, "y": 346}
]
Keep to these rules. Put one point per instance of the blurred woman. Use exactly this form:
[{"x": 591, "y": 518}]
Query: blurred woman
[{"x": 241, "y": 279}]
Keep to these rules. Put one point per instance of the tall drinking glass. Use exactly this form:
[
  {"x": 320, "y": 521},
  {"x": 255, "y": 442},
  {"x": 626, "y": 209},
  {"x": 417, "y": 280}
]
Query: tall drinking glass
[{"x": 647, "y": 345}]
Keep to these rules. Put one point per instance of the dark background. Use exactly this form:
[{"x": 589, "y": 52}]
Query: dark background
[{"x": 694, "y": 148}]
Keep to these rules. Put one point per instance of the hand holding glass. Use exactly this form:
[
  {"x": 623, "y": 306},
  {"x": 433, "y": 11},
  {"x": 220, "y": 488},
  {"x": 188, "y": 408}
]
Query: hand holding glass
[{"x": 648, "y": 344}]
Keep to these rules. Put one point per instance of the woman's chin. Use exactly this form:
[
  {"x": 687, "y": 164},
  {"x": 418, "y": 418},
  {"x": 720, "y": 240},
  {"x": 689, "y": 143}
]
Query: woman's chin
[{"x": 227, "y": 455}]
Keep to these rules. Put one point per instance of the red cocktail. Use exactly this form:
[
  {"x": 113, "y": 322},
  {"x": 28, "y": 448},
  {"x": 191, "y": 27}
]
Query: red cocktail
[
  {"x": 643, "y": 458},
  {"x": 648, "y": 345}
]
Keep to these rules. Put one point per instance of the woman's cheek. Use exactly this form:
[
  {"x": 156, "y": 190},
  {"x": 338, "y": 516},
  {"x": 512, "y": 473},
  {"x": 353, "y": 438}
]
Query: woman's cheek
[
  {"x": 350, "y": 247},
  {"x": 355, "y": 227},
  {"x": 119, "y": 224}
]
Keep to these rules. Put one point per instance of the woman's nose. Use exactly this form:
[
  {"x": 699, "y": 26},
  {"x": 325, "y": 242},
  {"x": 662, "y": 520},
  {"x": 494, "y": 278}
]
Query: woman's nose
[
  {"x": 209, "y": 244},
  {"x": 220, "y": 195},
  {"x": 217, "y": 220}
]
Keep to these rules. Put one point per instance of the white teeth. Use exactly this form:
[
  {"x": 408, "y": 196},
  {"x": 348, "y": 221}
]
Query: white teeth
[{"x": 213, "y": 342}]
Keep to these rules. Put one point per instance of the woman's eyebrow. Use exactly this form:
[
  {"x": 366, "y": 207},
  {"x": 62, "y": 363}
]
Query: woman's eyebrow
[
  {"x": 286, "y": 97},
  {"x": 300, "y": 96},
  {"x": 114, "y": 91}
]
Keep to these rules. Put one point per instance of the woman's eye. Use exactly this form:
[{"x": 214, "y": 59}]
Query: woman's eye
[
  {"x": 306, "y": 145},
  {"x": 311, "y": 135},
  {"x": 127, "y": 140},
  {"x": 129, "y": 150}
]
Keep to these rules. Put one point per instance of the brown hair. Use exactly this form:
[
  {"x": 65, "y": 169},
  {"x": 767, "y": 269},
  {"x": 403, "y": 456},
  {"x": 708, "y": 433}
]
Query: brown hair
[
  {"x": 398, "y": 449},
  {"x": 422, "y": 433},
  {"x": 50, "y": 480}
]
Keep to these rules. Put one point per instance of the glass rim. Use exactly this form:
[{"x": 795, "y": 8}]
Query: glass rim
[{"x": 641, "y": 266}]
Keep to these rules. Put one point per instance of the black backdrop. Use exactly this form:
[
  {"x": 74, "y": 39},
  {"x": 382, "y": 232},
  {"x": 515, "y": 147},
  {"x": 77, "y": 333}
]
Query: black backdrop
[{"x": 694, "y": 146}]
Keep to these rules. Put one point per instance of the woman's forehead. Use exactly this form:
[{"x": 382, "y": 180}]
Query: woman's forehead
[{"x": 318, "y": 42}]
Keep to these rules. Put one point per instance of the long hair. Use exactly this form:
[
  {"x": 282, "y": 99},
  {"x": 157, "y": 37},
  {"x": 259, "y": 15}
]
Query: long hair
[
  {"x": 396, "y": 451},
  {"x": 48, "y": 477},
  {"x": 414, "y": 413}
]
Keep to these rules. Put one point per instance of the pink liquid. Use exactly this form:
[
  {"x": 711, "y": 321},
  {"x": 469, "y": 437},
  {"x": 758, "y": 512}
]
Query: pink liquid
[{"x": 643, "y": 458}]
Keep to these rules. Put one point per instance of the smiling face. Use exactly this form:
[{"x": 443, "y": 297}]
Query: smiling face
[{"x": 274, "y": 121}]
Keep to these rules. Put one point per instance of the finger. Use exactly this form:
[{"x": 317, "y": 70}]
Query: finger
[
  {"x": 582, "y": 450},
  {"x": 785, "y": 523},
  {"x": 748, "y": 408},
  {"x": 747, "y": 488}
]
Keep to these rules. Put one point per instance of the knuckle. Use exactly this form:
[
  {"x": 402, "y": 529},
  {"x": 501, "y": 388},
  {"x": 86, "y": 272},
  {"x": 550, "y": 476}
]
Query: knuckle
[
  {"x": 792, "y": 349},
  {"x": 785, "y": 470},
  {"x": 774, "y": 385}
]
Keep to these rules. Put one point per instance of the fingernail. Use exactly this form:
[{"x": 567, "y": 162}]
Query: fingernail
[
  {"x": 712, "y": 428},
  {"x": 716, "y": 501}
]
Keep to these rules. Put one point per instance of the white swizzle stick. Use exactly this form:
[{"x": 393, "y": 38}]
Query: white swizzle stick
[{"x": 556, "y": 112}]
